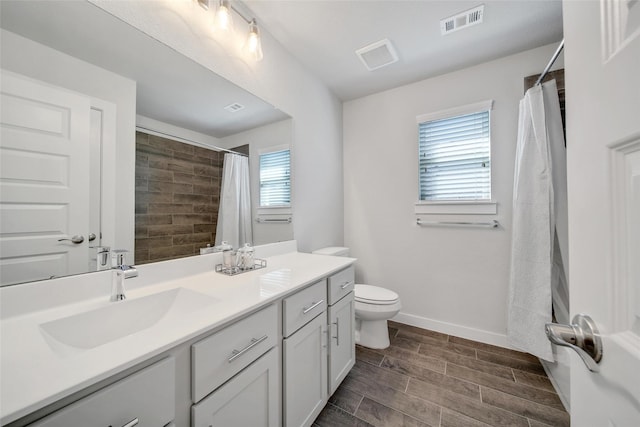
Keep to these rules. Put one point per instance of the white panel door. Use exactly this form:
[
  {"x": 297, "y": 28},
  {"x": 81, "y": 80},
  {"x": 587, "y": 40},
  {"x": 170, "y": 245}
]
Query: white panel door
[
  {"x": 602, "y": 69},
  {"x": 44, "y": 179}
]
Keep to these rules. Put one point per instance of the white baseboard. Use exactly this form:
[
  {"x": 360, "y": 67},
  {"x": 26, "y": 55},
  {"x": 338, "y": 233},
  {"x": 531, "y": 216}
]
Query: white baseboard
[
  {"x": 559, "y": 373},
  {"x": 453, "y": 329}
]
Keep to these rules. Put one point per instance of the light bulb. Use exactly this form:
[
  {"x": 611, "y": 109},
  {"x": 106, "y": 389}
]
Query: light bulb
[
  {"x": 253, "y": 45},
  {"x": 223, "y": 19}
]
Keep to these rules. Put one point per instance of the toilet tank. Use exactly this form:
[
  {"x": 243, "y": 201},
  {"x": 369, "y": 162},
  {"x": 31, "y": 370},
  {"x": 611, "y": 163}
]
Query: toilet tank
[{"x": 332, "y": 250}]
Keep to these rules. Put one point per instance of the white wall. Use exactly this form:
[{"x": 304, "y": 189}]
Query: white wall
[
  {"x": 279, "y": 79},
  {"x": 264, "y": 137},
  {"x": 40, "y": 62},
  {"x": 453, "y": 280}
]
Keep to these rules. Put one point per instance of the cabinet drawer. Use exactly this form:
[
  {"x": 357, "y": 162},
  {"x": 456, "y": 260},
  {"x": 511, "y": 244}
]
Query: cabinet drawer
[
  {"x": 147, "y": 396},
  {"x": 220, "y": 356},
  {"x": 300, "y": 308},
  {"x": 340, "y": 284}
]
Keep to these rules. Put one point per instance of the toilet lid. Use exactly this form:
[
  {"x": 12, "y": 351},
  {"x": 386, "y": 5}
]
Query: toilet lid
[{"x": 375, "y": 295}]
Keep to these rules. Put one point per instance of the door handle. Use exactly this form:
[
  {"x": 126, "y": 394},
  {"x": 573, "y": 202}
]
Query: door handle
[
  {"x": 582, "y": 336},
  {"x": 77, "y": 239},
  {"x": 92, "y": 237}
]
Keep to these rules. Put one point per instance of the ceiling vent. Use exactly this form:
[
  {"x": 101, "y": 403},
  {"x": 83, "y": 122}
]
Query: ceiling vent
[
  {"x": 377, "y": 55},
  {"x": 462, "y": 20},
  {"x": 232, "y": 108}
]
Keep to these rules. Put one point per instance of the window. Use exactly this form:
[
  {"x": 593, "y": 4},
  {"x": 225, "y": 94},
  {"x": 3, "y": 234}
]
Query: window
[
  {"x": 275, "y": 178},
  {"x": 455, "y": 154}
]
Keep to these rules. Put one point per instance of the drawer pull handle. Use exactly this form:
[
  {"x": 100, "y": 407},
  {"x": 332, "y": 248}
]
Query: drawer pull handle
[
  {"x": 345, "y": 285},
  {"x": 254, "y": 342},
  {"x": 133, "y": 422},
  {"x": 312, "y": 306}
]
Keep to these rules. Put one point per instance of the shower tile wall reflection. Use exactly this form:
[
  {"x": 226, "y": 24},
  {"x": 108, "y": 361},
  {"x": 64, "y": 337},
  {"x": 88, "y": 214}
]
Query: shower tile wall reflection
[{"x": 177, "y": 198}]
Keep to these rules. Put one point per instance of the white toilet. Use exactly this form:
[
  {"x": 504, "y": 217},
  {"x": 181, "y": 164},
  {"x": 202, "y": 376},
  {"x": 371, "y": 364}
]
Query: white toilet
[{"x": 373, "y": 306}]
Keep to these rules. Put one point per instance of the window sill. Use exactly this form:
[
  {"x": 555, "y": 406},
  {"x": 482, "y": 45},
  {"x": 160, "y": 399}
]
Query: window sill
[
  {"x": 273, "y": 210},
  {"x": 449, "y": 207}
]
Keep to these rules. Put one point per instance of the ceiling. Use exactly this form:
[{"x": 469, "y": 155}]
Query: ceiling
[{"x": 324, "y": 35}]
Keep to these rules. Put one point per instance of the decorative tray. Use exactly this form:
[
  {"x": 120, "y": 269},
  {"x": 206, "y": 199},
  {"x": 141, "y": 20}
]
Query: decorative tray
[{"x": 232, "y": 271}]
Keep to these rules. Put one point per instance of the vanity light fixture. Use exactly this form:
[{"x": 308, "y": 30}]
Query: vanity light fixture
[
  {"x": 253, "y": 46},
  {"x": 223, "y": 20}
]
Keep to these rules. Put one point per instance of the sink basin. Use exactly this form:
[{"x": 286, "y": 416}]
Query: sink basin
[{"x": 120, "y": 319}]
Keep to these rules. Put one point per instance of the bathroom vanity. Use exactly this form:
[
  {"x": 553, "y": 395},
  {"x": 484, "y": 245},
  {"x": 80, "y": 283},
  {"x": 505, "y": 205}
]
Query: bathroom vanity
[{"x": 188, "y": 346}]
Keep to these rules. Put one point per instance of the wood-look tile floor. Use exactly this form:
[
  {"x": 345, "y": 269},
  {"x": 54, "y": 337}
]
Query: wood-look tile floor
[{"x": 426, "y": 378}]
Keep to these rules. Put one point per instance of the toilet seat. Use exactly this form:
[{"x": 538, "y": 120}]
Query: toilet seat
[{"x": 375, "y": 295}]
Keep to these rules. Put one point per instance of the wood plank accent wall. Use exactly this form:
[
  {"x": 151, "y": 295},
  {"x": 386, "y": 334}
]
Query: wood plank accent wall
[{"x": 177, "y": 197}]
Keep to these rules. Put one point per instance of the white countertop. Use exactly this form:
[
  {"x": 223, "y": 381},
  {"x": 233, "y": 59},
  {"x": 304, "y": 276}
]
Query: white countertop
[{"x": 35, "y": 371}]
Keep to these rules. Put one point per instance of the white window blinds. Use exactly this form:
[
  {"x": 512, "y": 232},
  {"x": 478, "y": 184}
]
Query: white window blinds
[
  {"x": 455, "y": 159},
  {"x": 275, "y": 178}
]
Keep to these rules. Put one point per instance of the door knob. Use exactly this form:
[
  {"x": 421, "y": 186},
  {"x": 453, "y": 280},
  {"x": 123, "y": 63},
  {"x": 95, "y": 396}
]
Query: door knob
[
  {"x": 582, "y": 336},
  {"x": 77, "y": 239},
  {"x": 92, "y": 237}
]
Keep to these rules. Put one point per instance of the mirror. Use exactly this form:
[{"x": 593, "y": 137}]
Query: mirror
[{"x": 123, "y": 83}]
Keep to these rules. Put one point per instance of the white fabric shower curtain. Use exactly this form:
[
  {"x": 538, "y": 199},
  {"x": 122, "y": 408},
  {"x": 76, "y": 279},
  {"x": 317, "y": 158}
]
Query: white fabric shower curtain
[
  {"x": 539, "y": 235},
  {"x": 234, "y": 214}
]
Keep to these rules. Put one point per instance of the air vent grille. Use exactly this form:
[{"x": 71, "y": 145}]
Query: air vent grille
[
  {"x": 462, "y": 20},
  {"x": 377, "y": 55},
  {"x": 232, "y": 108}
]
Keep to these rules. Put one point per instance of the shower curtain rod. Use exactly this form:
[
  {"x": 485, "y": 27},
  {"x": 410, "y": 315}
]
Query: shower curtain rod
[
  {"x": 188, "y": 141},
  {"x": 553, "y": 59}
]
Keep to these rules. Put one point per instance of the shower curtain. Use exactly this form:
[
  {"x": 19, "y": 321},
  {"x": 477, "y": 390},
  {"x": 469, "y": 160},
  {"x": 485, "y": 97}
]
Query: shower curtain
[
  {"x": 539, "y": 239},
  {"x": 234, "y": 214}
]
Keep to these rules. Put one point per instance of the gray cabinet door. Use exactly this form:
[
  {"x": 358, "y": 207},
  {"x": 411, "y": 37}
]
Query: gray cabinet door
[
  {"x": 342, "y": 348},
  {"x": 305, "y": 373},
  {"x": 251, "y": 398}
]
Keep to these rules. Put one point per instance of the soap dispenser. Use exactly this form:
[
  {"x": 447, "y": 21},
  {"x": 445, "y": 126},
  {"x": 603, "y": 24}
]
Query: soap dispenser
[
  {"x": 227, "y": 255},
  {"x": 245, "y": 257}
]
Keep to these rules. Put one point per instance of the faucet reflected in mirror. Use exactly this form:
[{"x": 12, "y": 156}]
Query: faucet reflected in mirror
[{"x": 119, "y": 87}]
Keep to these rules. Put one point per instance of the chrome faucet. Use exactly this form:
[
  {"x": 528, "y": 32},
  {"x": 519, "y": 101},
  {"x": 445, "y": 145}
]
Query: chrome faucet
[
  {"x": 121, "y": 272},
  {"x": 117, "y": 285}
]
